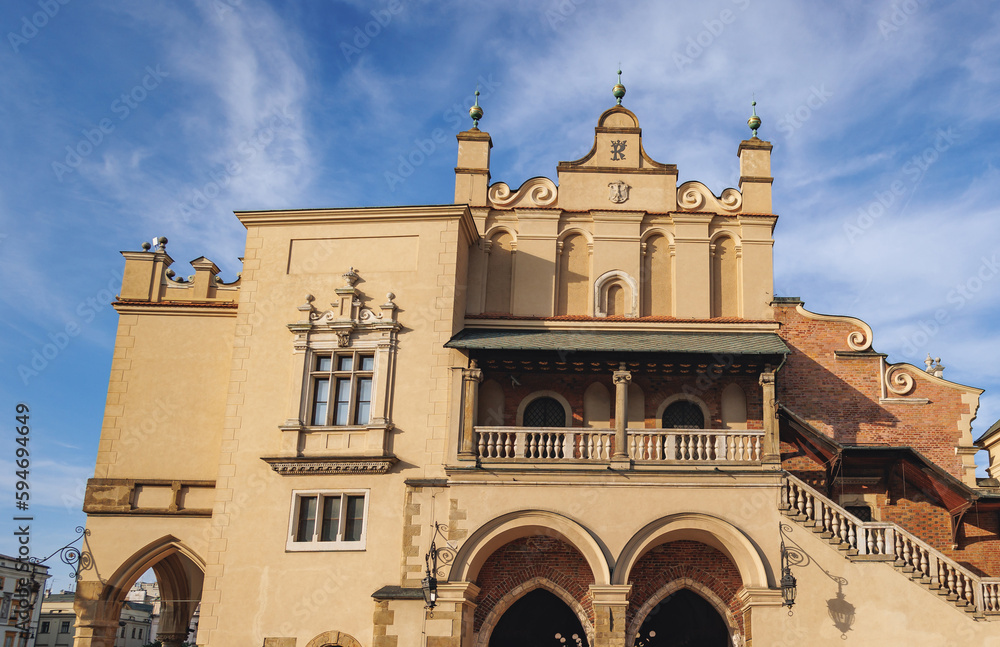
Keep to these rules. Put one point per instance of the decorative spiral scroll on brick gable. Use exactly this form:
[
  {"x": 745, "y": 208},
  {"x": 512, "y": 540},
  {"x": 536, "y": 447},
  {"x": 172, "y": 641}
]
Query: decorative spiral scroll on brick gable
[
  {"x": 536, "y": 192},
  {"x": 695, "y": 196},
  {"x": 857, "y": 340},
  {"x": 897, "y": 380}
]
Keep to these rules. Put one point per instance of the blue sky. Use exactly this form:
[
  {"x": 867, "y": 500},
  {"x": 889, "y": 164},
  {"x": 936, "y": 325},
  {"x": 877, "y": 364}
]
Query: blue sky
[{"x": 122, "y": 121}]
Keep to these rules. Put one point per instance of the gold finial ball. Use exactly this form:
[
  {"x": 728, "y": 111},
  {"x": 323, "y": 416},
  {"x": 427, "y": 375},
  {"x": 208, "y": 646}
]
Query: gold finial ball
[
  {"x": 619, "y": 90},
  {"x": 476, "y": 113},
  {"x": 754, "y": 120}
]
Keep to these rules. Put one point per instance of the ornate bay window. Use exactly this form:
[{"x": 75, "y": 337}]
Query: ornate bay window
[{"x": 341, "y": 387}]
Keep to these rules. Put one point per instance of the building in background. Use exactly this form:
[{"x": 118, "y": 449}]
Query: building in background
[
  {"x": 21, "y": 584},
  {"x": 569, "y": 413}
]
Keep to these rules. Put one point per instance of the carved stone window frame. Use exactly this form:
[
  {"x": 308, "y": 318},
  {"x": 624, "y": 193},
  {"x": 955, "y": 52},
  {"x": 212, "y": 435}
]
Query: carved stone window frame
[{"x": 347, "y": 326}]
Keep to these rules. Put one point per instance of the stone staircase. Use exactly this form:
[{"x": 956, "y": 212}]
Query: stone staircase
[{"x": 866, "y": 541}]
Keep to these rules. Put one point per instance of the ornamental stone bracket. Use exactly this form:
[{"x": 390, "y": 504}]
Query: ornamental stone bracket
[
  {"x": 294, "y": 466},
  {"x": 347, "y": 315}
]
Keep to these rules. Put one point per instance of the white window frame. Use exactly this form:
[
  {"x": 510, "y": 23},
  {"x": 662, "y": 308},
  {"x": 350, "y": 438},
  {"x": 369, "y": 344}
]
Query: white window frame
[
  {"x": 316, "y": 545},
  {"x": 334, "y": 376}
]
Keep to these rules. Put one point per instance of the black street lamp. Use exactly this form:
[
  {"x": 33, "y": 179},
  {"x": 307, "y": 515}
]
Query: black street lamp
[
  {"x": 788, "y": 585},
  {"x": 429, "y": 584}
]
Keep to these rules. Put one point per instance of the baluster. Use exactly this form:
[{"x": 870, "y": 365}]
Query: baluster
[
  {"x": 800, "y": 500},
  {"x": 827, "y": 519},
  {"x": 970, "y": 591},
  {"x": 506, "y": 445},
  {"x": 809, "y": 506},
  {"x": 632, "y": 447},
  {"x": 852, "y": 537},
  {"x": 923, "y": 562},
  {"x": 844, "y": 525},
  {"x": 741, "y": 449},
  {"x": 835, "y": 526},
  {"x": 939, "y": 577},
  {"x": 659, "y": 447},
  {"x": 482, "y": 445},
  {"x": 991, "y": 590},
  {"x": 492, "y": 445},
  {"x": 959, "y": 585},
  {"x": 951, "y": 578},
  {"x": 880, "y": 540},
  {"x": 869, "y": 540}
]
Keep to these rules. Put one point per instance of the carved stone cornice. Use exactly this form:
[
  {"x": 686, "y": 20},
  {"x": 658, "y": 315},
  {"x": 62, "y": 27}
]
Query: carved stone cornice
[{"x": 297, "y": 465}]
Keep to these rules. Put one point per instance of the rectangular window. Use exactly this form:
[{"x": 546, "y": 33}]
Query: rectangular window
[
  {"x": 328, "y": 520},
  {"x": 350, "y": 376},
  {"x": 64, "y": 627},
  {"x": 44, "y": 629}
]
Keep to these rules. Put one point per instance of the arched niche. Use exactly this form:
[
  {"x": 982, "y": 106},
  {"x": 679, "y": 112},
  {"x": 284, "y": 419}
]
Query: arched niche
[
  {"x": 500, "y": 609},
  {"x": 573, "y": 274},
  {"x": 725, "y": 277},
  {"x": 657, "y": 276},
  {"x": 491, "y": 401},
  {"x": 597, "y": 407},
  {"x": 734, "y": 407},
  {"x": 636, "y": 406},
  {"x": 499, "y": 272},
  {"x": 613, "y": 285}
]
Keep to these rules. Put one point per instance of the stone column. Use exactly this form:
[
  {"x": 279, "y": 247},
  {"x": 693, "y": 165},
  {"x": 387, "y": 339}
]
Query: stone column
[
  {"x": 610, "y": 605},
  {"x": 771, "y": 452},
  {"x": 621, "y": 377},
  {"x": 471, "y": 377}
]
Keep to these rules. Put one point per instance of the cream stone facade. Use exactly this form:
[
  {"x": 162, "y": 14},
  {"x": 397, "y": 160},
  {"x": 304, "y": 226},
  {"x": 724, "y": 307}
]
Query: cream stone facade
[{"x": 581, "y": 394}]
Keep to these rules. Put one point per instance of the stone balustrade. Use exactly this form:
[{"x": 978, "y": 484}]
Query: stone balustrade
[
  {"x": 675, "y": 446},
  {"x": 893, "y": 544}
]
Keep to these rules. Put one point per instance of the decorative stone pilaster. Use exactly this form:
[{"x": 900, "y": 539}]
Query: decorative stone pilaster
[
  {"x": 455, "y": 603},
  {"x": 772, "y": 442},
  {"x": 620, "y": 459},
  {"x": 471, "y": 377},
  {"x": 610, "y": 605}
]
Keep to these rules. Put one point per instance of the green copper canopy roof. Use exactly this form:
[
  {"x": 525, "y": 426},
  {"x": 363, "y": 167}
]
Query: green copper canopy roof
[{"x": 622, "y": 341}]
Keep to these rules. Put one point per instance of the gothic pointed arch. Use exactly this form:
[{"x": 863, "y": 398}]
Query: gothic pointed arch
[{"x": 512, "y": 597}]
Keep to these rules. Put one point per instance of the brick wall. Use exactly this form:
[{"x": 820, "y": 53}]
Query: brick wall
[
  {"x": 527, "y": 558},
  {"x": 798, "y": 463},
  {"x": 840, "y": 395},
  {"x": 678, "y": 559}
]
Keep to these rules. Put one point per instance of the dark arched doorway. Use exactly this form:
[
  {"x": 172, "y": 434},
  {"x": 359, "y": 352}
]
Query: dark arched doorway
[
  {"x": 539, "y": 619},
  {"x": 683, "y": 619}
]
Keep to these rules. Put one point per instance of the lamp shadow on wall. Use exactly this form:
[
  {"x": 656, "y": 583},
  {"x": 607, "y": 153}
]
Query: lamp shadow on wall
[{"x": 841, "y": 611}]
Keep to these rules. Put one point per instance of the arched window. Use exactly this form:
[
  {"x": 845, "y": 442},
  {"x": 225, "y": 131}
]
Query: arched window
[
  {"x": 683, "y": 414},
  {"x": 544, "y": 412}
]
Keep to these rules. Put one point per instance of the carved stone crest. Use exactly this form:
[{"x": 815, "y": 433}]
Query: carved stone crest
[{"x": 619, "y": 192}]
